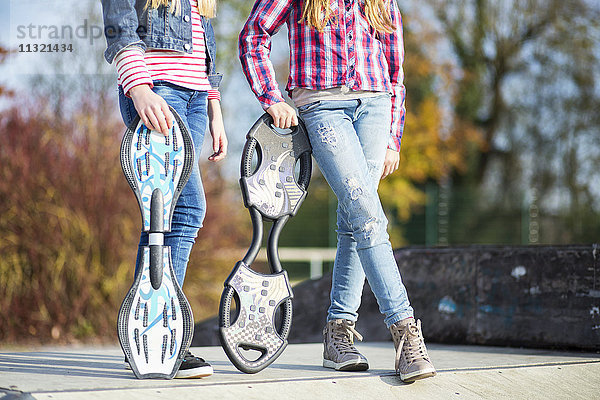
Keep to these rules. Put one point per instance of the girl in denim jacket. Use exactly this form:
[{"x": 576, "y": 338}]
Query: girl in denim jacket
[
  {"x": 164, "y": 51},
  {"x": 346, "y": 80}
]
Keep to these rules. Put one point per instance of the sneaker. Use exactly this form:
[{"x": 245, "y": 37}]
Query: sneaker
[
  {"x": 191, "y": 367},
  {"x": 412, "y": 360},
  {"x": 339, "y": 352}
]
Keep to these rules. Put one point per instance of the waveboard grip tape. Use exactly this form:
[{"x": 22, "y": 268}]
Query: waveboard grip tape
[
  {"x": 145, "y": 322},
  {"x": 145, "y": 339},
  {"x": 136, "y": 335},
  {"x": 173, "y": 336},
  {"x": 164, "y": 349},
  {"x": 137, "y": 310},
  {"x": 175, "y": 165}
]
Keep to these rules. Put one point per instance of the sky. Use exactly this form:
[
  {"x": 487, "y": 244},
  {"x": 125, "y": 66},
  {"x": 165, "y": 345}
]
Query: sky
[{"x": 40, "y": 31}]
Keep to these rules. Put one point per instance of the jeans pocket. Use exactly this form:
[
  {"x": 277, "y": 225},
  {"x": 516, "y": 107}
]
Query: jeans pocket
[{"x": 309, "y": 107}]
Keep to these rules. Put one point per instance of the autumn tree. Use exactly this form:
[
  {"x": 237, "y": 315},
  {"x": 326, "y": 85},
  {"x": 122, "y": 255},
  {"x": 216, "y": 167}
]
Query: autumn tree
[
  {"x": 4, "y": 52},
  {"x": 70, "y": 223},
  {"x": 436, "y": 141},
  {"x": 526, "y": 78}
]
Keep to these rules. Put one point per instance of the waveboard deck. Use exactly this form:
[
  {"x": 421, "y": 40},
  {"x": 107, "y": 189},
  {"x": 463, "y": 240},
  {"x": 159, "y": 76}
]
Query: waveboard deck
[
  {"x": 260, "y": 295},
  {"x": 155, "y": 324},
  {"x": 271, "y": 192}
]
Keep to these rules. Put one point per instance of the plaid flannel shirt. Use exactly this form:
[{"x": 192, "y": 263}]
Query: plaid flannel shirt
[{"x": 348, "y": 52}]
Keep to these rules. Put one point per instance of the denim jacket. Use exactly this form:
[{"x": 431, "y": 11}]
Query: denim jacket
[{"x": 130, "y": 23}]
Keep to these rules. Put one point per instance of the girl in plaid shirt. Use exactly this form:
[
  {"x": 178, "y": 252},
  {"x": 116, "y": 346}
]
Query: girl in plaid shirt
[{"x": 346, "y": 80}]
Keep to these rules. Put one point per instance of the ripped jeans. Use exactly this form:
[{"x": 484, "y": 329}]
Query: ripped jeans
[{"x": 349, "y": 140}]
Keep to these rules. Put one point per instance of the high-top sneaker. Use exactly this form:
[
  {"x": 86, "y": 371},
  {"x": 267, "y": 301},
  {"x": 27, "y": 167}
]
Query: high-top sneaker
[
  {"x": 412, "y": 360},
  {"x": 339, "y": 352}
]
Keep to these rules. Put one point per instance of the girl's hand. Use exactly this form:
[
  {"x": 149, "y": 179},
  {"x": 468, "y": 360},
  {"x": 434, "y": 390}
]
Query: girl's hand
[
  {"x": 284, "y": 116},
  {"x": 152, "y": 109},
  {"x": 391, "y": 162},
  {"x": 217, "y": 131}
]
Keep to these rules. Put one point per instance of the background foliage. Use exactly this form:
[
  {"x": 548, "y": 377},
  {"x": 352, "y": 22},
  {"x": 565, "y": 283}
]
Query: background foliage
[{"x": 501, "y": 146}]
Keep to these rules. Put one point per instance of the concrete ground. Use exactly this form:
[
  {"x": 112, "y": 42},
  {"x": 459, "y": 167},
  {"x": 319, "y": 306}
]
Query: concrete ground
[{"x": 464, "y": 372}]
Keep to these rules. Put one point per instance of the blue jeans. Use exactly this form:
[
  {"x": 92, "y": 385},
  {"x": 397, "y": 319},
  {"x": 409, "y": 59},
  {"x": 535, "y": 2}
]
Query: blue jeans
[
  {"x": 349, "y": 140},
  {"x": 190, "y": 209}
]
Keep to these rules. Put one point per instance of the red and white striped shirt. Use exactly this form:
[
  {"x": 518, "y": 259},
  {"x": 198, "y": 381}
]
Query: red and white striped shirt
[{"x": 134, "y": 67}]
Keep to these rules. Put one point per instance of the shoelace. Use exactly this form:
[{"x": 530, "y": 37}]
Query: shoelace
[
  {"x": 415, "y": 348},
  {"x": 343, "y": 334}
]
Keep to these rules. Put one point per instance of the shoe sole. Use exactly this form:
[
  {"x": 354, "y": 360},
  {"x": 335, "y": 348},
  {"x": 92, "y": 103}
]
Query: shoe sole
[
  {"x": 418, "y": 375},
  {"x": 199, "y": 372},
  {"x": 195, "y": 373},
  {"x": 351, "y": 365}
]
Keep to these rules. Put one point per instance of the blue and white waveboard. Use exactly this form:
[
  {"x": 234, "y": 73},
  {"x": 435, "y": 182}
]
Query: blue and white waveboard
[{"x": 155, "y": 324}]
